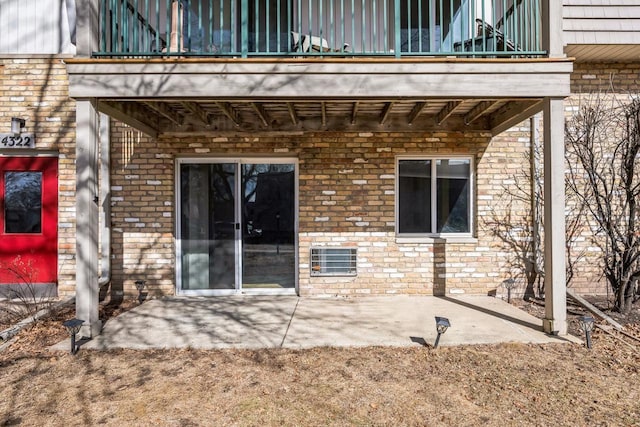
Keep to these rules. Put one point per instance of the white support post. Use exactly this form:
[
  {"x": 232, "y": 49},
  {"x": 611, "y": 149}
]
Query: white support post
[
  {"x": 555, "y": 287},
  {"x": 87, "y": 289},
  {"x": 552, "y": 33}
]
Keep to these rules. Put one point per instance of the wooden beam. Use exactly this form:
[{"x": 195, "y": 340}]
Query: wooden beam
[
  {"x": 335, "y": 123},
  {"x": 415, "y": 112},
  {"x": 226, "y": 109},
  {"x": 279, "y": 78},
  {"x": 201, "y": 115},
  {"x": 292, "y": 113},
  {"x": 385, "y": 112},
  {"x": 477, "y": 111},
  {"x": 593, "y": 309},
  {"x": 131, "y": 114},
  {"x": 354, "y": 112},
  {"x": 262, "y": 114},
  {"x": 166, "y": 111},
  {"x": 447, "y": 111},
  {"x": 513, "y": 113},
  {"x": 323, "y": 107}
]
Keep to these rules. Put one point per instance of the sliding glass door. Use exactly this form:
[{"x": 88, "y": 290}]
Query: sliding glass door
[{"x": 236, "y": 226}]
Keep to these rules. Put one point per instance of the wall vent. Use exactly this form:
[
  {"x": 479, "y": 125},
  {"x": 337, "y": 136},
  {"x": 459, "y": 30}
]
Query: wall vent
[{"x": 334, "y": 261}]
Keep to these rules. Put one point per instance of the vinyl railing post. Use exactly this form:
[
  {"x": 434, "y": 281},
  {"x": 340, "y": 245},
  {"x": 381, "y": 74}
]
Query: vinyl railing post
[
  {"x": 244, "y": 28},
  {"x": 396, "y": 29}
]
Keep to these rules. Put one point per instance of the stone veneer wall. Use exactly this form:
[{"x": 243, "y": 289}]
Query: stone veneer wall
[
  {"x": 36, "y": 89},
  {"x": 346, "y": 198}
]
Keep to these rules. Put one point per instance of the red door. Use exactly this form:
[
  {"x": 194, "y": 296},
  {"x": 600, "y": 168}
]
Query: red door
[{"x": 28, "y": 220}]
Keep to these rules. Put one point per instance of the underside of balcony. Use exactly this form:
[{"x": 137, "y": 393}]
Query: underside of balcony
[{"x": 248, "y": 95}]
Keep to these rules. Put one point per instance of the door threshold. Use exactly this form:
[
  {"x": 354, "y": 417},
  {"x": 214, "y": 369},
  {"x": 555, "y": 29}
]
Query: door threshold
[
  {"x": 289, "y": 292},
  {"x": 222, "y": 293}
]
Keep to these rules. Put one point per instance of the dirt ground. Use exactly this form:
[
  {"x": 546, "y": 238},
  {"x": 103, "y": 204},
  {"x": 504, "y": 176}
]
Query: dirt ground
[{"x": 509, "y": 384}]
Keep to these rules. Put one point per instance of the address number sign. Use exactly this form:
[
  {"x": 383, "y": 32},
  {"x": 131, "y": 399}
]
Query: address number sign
[{"x": 24, "y": 140}]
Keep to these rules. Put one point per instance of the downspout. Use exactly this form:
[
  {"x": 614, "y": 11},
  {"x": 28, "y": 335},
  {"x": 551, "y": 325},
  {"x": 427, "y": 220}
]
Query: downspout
[
  {"x": 105, "y": 201},
  {"x": 535, "y": 220}
]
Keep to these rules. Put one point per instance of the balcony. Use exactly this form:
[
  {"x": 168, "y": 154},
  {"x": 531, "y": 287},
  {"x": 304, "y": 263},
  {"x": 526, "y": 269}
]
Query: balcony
[
  {"x": 320, "y": 28},
  {"x": 180, "y": 67}
]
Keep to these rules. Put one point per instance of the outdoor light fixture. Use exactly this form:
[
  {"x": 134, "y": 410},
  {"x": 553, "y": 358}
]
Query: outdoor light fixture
[
  {"x": 586, "y": 323},
  {"x": 509, "y": 284},
  {"x": 442, "y": 324},
  {"x": 140, "y": 286},
  {"x": 16, "y": 125},
  {"x": 73, "y": 327}
]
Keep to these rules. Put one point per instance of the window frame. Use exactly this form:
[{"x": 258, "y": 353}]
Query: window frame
[{"x": 434, "y": 207}]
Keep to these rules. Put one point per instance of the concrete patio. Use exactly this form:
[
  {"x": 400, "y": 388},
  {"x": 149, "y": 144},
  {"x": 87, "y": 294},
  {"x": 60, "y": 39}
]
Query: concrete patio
[{"x": 291, "y": 322}]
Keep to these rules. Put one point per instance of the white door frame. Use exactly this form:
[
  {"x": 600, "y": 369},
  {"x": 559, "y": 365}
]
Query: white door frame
[{"x": 238, "y": 161}]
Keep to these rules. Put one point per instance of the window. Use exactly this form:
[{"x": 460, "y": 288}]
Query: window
[
  {"x": 23, "y": 202},
  {"x": 434, "y": 195}
]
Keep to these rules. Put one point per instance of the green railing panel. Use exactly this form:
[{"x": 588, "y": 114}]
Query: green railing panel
[{"x": 300, "y": 28}]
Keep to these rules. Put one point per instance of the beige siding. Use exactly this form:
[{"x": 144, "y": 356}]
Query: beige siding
[
  {"x": 37, "y": 27},
  {"x": 594, "y": 22}
]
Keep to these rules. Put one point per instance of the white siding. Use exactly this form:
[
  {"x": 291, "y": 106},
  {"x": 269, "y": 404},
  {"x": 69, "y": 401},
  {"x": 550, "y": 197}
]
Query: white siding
[
  {"x": 598, "y": 22},
  {"x": 37, "y": 26}
]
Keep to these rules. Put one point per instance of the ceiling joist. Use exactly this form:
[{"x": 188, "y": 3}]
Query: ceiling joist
[
  {"x": 262, "y": 114},
  {"x": 131, "y": 114},
  {"x": 184, "y": 116},
  {"x": 415, "y": 112},
  {"x": 199, "y": 113},
  {"x": 447, "y": 111},
  {"x": 385, "y": 112},
  {"x": 228, "y": 112},
  {"x": 164, "y": 110},
  {"x": 354, "y": 112},
  {"x": 478, "y": 111},
  {"x": 292, "y": 113},
  {"x": 323, "y": 107}
]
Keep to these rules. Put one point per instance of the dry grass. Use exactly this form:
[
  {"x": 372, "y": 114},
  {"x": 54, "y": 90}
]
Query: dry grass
[{"x": 508, "y": 384}]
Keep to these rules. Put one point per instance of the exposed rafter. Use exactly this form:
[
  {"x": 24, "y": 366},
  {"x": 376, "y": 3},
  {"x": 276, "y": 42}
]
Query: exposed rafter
[
  {"x": 166, "y": 111},
  {"x": 447, "y": 111},
  {"x": 229, "y": 112},
  {"x": 131, "y": 114},
  {"x": 262, "y": 114},
  {"x": 204, "y": 115},
  {"x": 415, "y": 112},
  {"x": 292, "y": 113},
  {"x": 200, "y": 114},
  {"x": 323, "y": 107},
  {"x": 478, "y": 111},
  {"x": 354, "y": 112},
  {"x": 385, "y": 112}
]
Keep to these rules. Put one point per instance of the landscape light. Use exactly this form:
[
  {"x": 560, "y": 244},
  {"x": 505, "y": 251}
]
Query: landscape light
[
  {"x": 442, "y": 324},
  {"x": 140, "y": 286},
  {"x": 587, "y": 323},
  {"x": 73, "y": 327},
  {"x": 509, "y": 284}
]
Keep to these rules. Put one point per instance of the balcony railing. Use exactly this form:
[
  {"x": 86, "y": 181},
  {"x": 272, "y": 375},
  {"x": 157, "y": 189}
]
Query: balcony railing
[{"x": 299, "y": 28}]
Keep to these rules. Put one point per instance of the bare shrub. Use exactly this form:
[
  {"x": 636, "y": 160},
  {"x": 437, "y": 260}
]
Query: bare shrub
[
  {"x": 22, "y": 297},
  {"x": 603, "y": 144}
]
